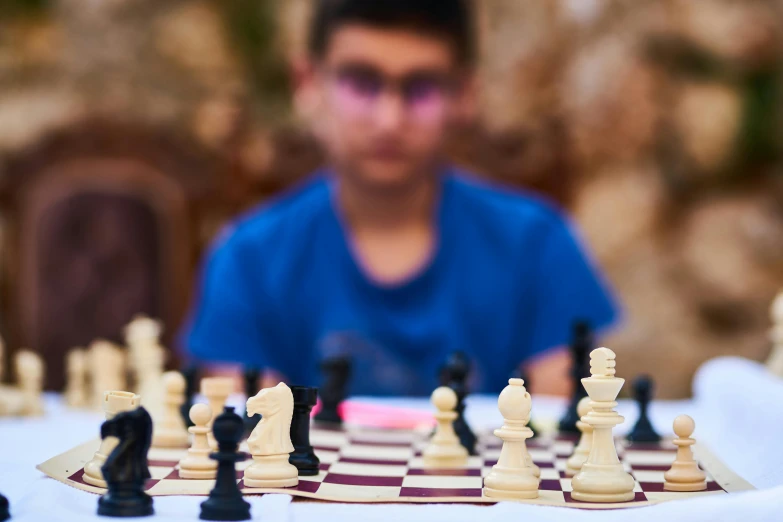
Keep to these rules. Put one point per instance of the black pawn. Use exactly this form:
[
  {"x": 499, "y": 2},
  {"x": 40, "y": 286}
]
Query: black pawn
[
  {"x": 191, "y": 377},
  {"x": 251, "y": 377},
  {"x": 303, "y": 457},
  {"x": 126, "y": 469},
  {"x": 5, "y": 513},
  {"x": 581, "y": 346},
  {"x": 455, "y": 375},
  {"x": 337, "y": 373},
  {"x": 225, "y": 501},
  {"x": 643, "y": 430}
]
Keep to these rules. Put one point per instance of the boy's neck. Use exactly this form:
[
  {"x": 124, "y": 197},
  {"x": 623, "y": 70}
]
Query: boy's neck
[{"x": 369, "y": 208}]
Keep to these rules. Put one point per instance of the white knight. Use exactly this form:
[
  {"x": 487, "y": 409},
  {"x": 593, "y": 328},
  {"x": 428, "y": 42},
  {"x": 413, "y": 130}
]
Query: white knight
[{"x": 270, "y": 442}]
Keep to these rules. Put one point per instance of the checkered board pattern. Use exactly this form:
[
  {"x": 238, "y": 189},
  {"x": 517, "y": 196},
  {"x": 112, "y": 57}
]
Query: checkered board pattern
[{"x": 373, "y": 465}]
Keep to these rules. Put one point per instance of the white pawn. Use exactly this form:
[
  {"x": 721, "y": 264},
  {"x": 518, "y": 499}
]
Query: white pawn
[
  {"x": 197, "y": 464},
  {"x": 444, "y": 450},
  {"x": 684, "y": 474},
  {"x": 76, "y": 378},
  {"x": 513, "y": 476},
  {"x": 602, "y": 477},
  {"x": 114, "y": 402},
  {"x": 30, "y": 374},
  {"x": 216, "y": 390},
  {"x": 170, "y": 431},
  {"x": 582, "y": 450},
  {"x": 270, "y": 442}
]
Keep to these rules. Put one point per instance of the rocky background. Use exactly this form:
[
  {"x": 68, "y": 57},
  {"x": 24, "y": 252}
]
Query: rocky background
[{"x": 658, "y": 122}]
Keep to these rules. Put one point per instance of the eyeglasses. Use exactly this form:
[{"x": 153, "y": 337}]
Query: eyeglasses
[{"x": 358, "y": 90}]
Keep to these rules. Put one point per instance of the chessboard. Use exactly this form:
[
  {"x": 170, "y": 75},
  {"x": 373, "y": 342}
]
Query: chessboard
[{"x": 369, "y": 465}]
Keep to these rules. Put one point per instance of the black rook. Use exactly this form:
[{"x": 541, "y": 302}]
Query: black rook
[{"x": 303, "y": 457}]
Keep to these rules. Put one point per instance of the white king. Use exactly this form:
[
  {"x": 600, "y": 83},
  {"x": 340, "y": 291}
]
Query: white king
[{"x": 602, "y": 478}]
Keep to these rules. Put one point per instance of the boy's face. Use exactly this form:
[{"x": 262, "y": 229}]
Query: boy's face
[{"x": 385, "y": 99}]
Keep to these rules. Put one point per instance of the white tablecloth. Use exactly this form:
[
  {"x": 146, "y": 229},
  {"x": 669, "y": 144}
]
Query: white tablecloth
[{"x": 738, "y": 408}]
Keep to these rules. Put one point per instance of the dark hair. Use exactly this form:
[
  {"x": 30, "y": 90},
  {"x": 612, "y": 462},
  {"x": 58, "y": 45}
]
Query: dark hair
[{"x": 448, "y": 19}]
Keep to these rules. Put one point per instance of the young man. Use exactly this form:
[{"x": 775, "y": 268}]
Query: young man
[{"x": 390, "y": 255}]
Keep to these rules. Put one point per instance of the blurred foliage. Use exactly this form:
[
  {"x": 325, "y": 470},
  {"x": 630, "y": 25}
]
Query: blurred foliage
[
  {"x": 759, "y": 141},
  {"x": 10, "y": 8},
  {"x": 252, "y": 28}
]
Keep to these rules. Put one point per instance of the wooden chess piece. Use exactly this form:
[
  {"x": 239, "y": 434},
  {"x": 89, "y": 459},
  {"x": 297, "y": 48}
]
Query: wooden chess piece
[
  {"x": 114, "y": 402},
  {"x": 126, "y": 470},
  {"x": 303, "y": 457},
  {"x": 251, "y": 376},
  {"x": 147, "y": 358},
  {"x": 216, "y": 390},
  {"x": 197, "y": 464},
  {"x": 582, "y": 450},
  {"x": 455, "y": 375},
  {"x": 106, "y": 363},
  {"x": 337, "y": 374},
  {"x": 76, "y": 378},
  {"x": 225, "y": 501},
  {"x": 684, "y": 474},
  {"x": 190, "y": 373},
  {"x": 602, "y": 478},
  {"x": 270, "y": 442},
  {"x": 30, "y": 374},
  {"x": 5, "y": 511},
  {"x": 513, "y": 476},
  {"x": 643, "y": 430},
  {"x": 170, "y": 431},
  {"x": 444, "y": 450},
  {"x": 581, "y": 344}
]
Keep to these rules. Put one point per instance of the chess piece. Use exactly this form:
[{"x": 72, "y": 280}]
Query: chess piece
[
  {"x": 775, "y": 361},
  {"x": 2, "y": 360},
  {"x": 521, "y": 374},
  {"x": 251, "y": 377},
  {"x": 643, "y": 430},
  {"x": 216, "y": 390},
  {"x": 190, "y": 374},
  {"x": 581, "y": 344},
  {"x": 512, "y": 477},
  {"x": 5, "y": 512},
  {"x": 126, "y": 469},
  {"x": 444, "y": 449},
  {"x": 270, "y": 443},
  {"x": 582, "y": 450},
  {"x": 455, "y": 375},
  {"x": 602, "y": 478},
  {"x": 303, "y": 457},
  {"x": 337, "y": 373},
  {"x": 170, "y": 431},
  {"x": 76, "y": 378},
  {"x": 197, "y": 464},
  {"x": 225, "y": 501},
  {"x": 30, "y": 374},
  {"x": 684, "y": 474},
  {"x": 114, "y": 402},
  {"x": 146, "y": 359},
  {"x": 106, "y": 363}
]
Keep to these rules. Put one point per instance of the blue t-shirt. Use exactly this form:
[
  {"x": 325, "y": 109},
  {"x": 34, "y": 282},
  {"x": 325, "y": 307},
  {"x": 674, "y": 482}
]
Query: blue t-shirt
[{"x": 282, "y": 289}]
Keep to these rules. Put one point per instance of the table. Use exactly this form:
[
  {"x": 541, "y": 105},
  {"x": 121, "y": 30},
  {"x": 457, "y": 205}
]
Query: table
[{"x": 737, "y": 405}]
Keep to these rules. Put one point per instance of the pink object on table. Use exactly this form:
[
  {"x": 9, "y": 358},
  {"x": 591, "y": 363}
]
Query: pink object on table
[{"x": 379, "y": 416}]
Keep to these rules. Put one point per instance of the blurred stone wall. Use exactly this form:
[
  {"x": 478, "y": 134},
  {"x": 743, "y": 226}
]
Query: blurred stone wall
[{"x": 672, "y": 111}]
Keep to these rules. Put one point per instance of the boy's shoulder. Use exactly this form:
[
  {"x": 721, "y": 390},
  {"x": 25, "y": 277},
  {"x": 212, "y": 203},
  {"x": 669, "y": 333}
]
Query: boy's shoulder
[
  {"x": 512, "y": 206},
  {"x": 282, "y": 218}
]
